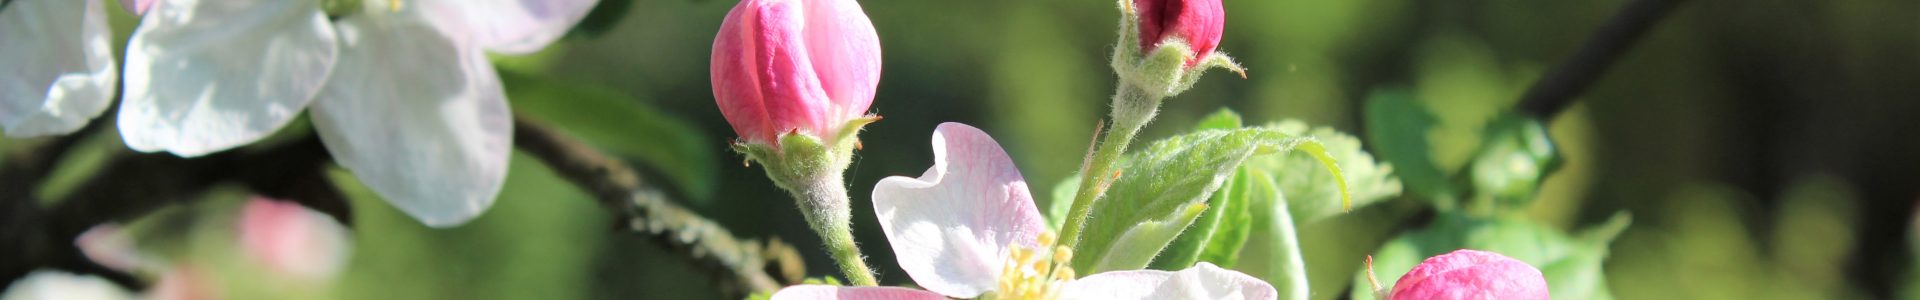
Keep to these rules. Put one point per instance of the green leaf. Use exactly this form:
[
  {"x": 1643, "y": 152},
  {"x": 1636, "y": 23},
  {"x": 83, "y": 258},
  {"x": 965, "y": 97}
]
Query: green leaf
[
  {"x": 1397, "y": 127},
  {"x": 1235, "y": 225},
  {"x": 1186, "y": 249},
  {"x": 1146, "y": 239},
  {"x": 612, "y": 121},
  {"x": 1225, "y": 119},
  {"x": 1167, "y": 177},
  {"x": 1516, "y": 157},
  {"x": 1570, "y": 263},
  {"x": 1306, "y": 182}
]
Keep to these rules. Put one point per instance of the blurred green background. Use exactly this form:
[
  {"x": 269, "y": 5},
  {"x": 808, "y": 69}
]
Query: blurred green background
[{"x": 1766, "y": 148}]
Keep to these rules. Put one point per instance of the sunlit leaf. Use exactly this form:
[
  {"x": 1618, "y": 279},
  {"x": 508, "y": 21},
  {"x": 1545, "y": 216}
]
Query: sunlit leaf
[{"x": 1165, "y": 177}]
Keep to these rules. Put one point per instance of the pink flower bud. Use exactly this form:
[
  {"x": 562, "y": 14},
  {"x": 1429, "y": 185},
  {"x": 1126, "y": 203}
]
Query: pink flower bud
[
  {"x": 1198, "y": 22},
  {"x": 292, "y": 240},
  {"x": 1471, "y": 274},
  {"x": 782, "y": 66}
]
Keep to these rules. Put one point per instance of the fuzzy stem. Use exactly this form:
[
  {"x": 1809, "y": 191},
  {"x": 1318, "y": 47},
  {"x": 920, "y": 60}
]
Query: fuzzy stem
[
  {"x": 823, "y": 199},
  {"x": 1290, "y": 270},
  {"x": 1133, "y": 108}
]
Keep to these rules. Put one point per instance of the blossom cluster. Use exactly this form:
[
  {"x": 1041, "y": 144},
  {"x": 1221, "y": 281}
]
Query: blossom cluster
[{"x": 401, "y": 91}]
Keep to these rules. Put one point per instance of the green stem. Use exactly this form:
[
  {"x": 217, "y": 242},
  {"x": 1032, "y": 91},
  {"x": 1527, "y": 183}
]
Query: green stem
[
  {"x": 1132, "y": 109},
  {"x": 824, "y": 201},
  {"x": 1290, "y": 270}
]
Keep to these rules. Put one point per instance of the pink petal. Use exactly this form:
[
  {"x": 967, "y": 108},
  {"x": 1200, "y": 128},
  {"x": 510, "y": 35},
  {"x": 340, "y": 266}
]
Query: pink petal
[
  {"x": 292, "y": 240},
  {"x": 762, "y": 78},
  {"x": 846, "y": 55},
  {"x": 111, "y": 246},
  {"x": 805, "y": 292},
  {"x": 1471, "y": 274},
  {"x": 1202, "y": 281},
  {"x": 950, "y": 228}
]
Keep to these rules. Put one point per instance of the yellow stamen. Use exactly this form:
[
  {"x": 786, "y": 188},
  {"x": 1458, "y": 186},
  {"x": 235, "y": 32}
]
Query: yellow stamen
[
  {"x": 394, "y": 5},
  {"x": 1035, "y": 273}
]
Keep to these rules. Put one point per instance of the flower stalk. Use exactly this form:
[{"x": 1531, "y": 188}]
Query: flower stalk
[
  {"x": 1165, "y": 45},
  {"x": 810, "y": 169}
]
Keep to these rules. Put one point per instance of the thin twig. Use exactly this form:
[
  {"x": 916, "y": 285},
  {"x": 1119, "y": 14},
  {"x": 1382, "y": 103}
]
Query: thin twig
[
  {"x": 646, "y": 210},
  {"x": 131, "y": 185},
  {"x": 1555, "y": 91}
]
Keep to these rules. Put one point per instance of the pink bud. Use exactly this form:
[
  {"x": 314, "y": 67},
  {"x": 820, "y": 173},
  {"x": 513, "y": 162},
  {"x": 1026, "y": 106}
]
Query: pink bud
[
  {"x": 782, "y": 66},
  {"x": 1198, "y": 22},
  {"x": 1471, "y": 274},
  {"x": 292, "y": 240}
]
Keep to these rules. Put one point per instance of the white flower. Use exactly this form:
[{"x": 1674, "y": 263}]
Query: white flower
[
  {"x": 52, "y": 285},
  {"x": 968, "y": 227},
  {"x": 402, "y": 93},
  {"x": 56, "y": 66}
]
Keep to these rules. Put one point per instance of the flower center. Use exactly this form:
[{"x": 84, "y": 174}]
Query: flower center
[
  {"x": 1035, "y": 274},
  {"x": 395, "y": 5}
]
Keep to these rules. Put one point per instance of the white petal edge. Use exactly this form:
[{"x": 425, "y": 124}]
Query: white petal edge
[
  {"x": 209, "y": 75},
  {"x": 56, "y": 66},
  {"x": 951, "y": 227},
  {"x": 1202, "y": 281},
  {"x": 52, "y": 285},
  {"x": 511, "y": 26},
  {"x": 828, "y": 292},
  {"x": 418, "y": 116}
]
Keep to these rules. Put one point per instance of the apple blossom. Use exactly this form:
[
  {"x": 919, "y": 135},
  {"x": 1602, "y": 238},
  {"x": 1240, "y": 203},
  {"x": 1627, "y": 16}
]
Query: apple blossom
[
  {"x": 1164, "y": 47},
  {"x": 795, "y": 79},
  {"x": 401, "y": 92},
  {"x": 56, "y": 66},
  {"x": 292, "y": 240},
  {"x": 1471, "y": 274},
  {"x": 58, "y": 285},
  {"x": 782, "y": 66},
  {"x": 1195, "y": 22},
  {"x": 968, "y": 227}
]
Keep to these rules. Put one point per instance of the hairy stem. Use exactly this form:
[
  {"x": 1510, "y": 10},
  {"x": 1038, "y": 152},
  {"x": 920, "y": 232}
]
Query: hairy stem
[
  {"x": 1289, "y": 268},
  {"x": 824, "y": 201},
  {"x": 1133, "y": 108}
]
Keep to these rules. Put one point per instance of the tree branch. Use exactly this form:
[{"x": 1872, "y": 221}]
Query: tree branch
[
  {"x": 131, "y": 185},
  {"x": 1555, "y": 91},
  {"x": 755, "y": 266}
]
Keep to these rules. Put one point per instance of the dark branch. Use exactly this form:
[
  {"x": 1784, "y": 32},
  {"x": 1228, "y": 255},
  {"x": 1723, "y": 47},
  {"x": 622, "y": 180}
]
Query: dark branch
[
  {"x": 1554, "y": 92},
  {"x": 130, "y": 185},
  {"x": 755, "y": 266}
]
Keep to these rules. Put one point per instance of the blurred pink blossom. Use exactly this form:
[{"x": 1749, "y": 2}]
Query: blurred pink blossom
[{"x": 1471, "y": 274}]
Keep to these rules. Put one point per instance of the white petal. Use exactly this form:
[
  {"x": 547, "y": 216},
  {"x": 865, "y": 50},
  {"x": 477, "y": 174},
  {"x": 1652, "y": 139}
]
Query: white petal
[
  {"x": 417, "y": 116},
  {"x": 1202, "y": 281},
  {"x": 208, "y": 75},
  {"x": 828, "y": 292},
  {"x": 56, "y": 67},
  {"x": 951, "y": 227},
  {"x": 511, "y": 26},
  {"x": 51, "y": 285}
]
